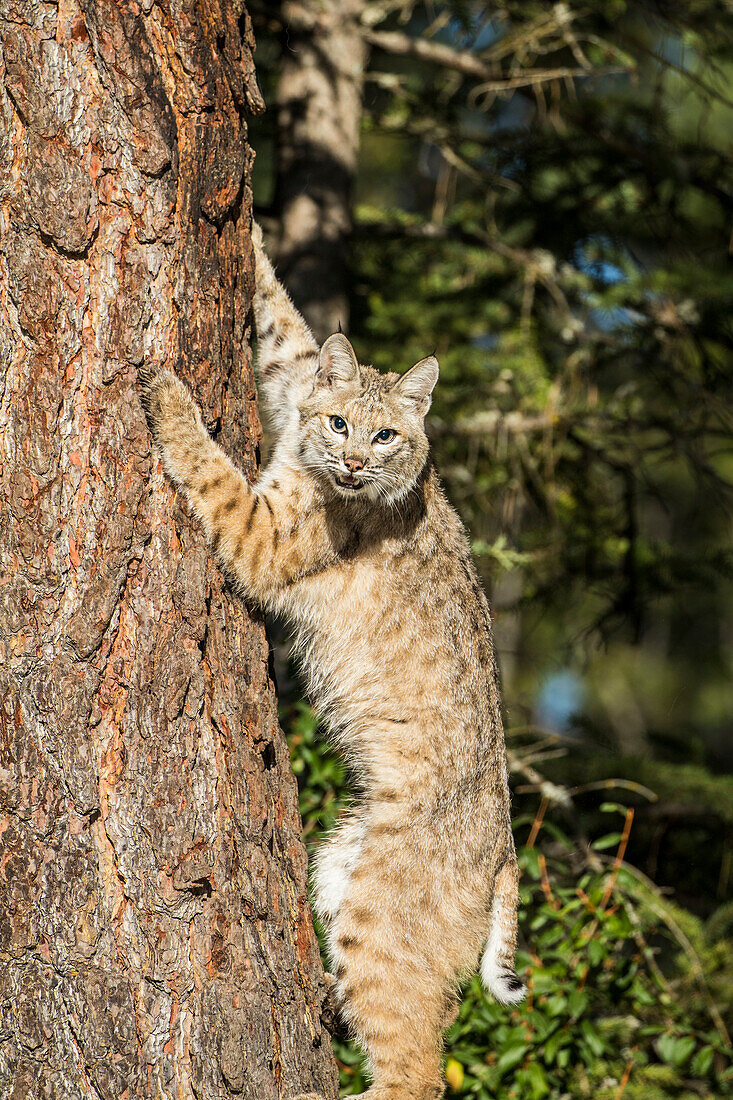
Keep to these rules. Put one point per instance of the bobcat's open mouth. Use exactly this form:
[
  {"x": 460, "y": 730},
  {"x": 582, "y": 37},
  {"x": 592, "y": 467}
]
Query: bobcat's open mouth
[{"x": 348, "y": 481}]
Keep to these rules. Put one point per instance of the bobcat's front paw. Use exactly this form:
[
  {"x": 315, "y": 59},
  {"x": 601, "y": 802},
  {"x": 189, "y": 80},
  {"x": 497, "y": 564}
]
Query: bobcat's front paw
[{"x": 168, "y": 405}]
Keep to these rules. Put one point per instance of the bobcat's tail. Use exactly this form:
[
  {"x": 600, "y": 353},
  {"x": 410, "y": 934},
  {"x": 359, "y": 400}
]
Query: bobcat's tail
[{"x": 497, "y": 965}]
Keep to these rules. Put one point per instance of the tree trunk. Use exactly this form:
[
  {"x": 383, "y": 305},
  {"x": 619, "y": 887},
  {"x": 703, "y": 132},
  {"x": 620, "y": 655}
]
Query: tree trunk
[
  {"x": 155, "y": 936},
  {"x": 318, "y": 123}
]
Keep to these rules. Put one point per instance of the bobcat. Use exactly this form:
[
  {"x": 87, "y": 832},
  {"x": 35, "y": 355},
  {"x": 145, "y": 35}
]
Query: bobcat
[{"x": 349, "y": 534}]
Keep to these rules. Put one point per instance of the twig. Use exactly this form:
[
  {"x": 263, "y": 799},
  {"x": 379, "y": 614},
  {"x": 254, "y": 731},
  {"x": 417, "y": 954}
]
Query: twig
[
  {"x": 551, "y": 791},
  {"x": 545, "y": 881},
  {"x": 611, "y": 784},
  {"x": 537, "y": 76},
  {"x": 469, "y": 64},
  {"x": 586, "y": 901},
  {"x": 625, "y": 1079},
  {"x": 600, "y": 912},
  {"x": 537, "y": 823},
  {"x": 462, "y": 61},
  {"x": 374, "y": 12},
  {"x": 546, "y": 754},
  {"x": 618, "y": 861}
]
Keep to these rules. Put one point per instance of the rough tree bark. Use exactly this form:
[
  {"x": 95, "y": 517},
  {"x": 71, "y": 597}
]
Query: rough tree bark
[
  {"x": 155, "y": 937},
  {"x": 318, "y": 121}
]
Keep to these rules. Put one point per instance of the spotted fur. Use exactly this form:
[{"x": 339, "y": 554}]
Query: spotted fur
[{"x": 354, "y": 540}]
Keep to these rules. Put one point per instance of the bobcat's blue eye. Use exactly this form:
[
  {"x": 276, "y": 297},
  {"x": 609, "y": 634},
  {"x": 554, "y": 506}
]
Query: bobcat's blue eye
[
  {"x": 385, "y": 436},
  {"x": 338, "y": 424}
]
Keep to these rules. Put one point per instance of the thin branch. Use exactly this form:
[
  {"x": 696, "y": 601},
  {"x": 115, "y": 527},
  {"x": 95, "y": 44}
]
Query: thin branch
[
  {"x": 462, "y": 61},
  {"x": 537, "y": 823},
  {"x": 625, "y": 1079},
  {"x": 528, "y": 36},
  {"x": 612, "y": 784},
  {"x": 374, "y": 12},
  {"x": 468, "y": 63},
  {"x": 554, "y": 794},
  {"x": 550, "y": 898},
  {"x": 539, "y": 76},
  {"x": 619, "y": 858}
]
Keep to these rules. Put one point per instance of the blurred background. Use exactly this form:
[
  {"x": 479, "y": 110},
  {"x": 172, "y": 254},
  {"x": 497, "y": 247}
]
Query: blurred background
[{"x": 542, "y": 193}]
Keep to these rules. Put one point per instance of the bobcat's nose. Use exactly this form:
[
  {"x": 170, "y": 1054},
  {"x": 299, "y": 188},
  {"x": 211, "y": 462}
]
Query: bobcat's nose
[{"x": 353, "y": 464}]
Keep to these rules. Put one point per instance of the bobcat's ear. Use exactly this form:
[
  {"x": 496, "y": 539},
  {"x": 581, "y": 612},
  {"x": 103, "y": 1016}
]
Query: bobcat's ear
[
  {"x": 417, "y": 384},
  {"x": 337, "y": 363}
]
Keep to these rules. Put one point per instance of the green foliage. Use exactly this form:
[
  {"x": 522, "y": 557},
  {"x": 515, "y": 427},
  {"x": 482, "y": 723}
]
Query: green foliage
[
  {"x": 625, "y": 988},
  {"x": 321, "y": 775}
]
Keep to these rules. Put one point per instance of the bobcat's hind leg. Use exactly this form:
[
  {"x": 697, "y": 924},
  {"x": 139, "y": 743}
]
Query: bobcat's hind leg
[{"x": 392, "y": 984}]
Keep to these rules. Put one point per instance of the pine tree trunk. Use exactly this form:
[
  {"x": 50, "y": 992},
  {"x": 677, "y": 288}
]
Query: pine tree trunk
[
  {"x": 155, "y": 936},
  {"x": 319, "y": 103}
]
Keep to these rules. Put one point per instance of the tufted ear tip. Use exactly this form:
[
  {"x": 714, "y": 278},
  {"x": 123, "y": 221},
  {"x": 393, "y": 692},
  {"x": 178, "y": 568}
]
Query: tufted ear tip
[
  {"x": 337, "y": 363},
  {"x": 417, "y": 384}
]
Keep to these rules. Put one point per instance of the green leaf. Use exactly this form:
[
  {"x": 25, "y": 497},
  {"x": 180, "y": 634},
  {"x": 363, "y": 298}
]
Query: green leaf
[
  {"x": 702, "y": 1062},
  {"x": 532, "y": 1082},
  {"x": 611, "y": 840},
  {"x": 592, "y": 1038},
  {"x": 556, "y": 1006},
  {"x": 553, "y": 1045},
  {"x": 675, "y": 1051},
  {"x": 597, "y": 950},
  {"x": 578, "y": 1002},
  {"x": 512, "y": 1057}
]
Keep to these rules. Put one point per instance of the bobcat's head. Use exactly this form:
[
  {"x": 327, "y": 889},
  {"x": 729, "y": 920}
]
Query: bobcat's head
[{"x": 362, "y": 433}]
